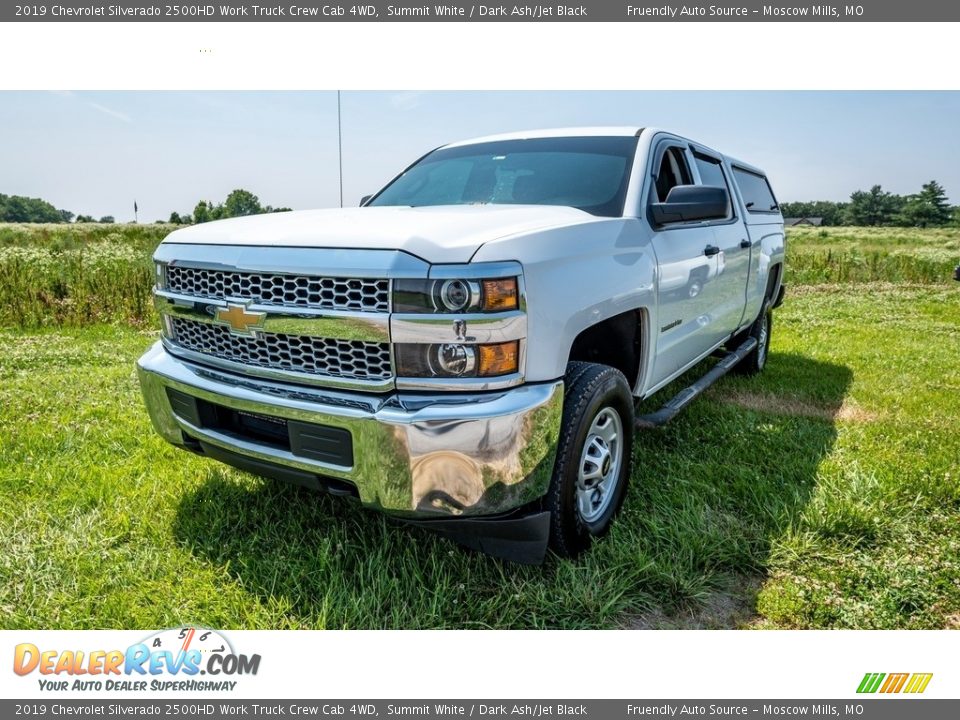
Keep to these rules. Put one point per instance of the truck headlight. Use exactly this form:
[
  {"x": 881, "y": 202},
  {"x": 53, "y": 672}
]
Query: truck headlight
[
  {"x": 456, "y": 360},
  {"x": 458, "y": 295},
  {"x": 455, "y": 295}
]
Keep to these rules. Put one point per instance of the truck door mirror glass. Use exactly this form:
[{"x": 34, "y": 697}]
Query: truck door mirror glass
[
  {"x": 365, "y": 199},
  {"x": 686, "y": 203}
]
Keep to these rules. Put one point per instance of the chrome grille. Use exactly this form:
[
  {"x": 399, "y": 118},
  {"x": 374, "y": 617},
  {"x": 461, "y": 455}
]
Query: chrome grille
[
  {"x": 325, "y": 293},
  {"x": 298, "y": 353}
]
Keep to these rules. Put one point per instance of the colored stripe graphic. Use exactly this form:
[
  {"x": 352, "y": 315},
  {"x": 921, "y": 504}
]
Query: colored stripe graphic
[
  {"x": 870, "y": 682},
  {"x": 894, "y": 683},
  {"x": 918, "y": 682}
]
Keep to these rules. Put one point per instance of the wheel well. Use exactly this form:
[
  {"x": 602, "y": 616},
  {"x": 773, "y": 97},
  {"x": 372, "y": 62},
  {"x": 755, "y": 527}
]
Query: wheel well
[
  {"x": 617, "y": 342},
  {"x": 773, "y": 281}
]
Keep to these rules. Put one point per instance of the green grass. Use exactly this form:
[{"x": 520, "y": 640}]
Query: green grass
[
  {"x": 821, "y": 494},
  {"x": 74, "y": 236},
  {"x": 56, "y": 275},
  {"x": 856, "y": 254},
  {"x": 76, "y": 275}
]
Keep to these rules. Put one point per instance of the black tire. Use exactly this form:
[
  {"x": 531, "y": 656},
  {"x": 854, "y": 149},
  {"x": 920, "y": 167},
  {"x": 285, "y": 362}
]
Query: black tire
[
  {"x": 761, "y": 330},
  {"x": 583, "y": 509}
]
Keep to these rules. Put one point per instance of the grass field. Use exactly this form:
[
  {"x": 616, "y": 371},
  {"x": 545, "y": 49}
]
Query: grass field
[{"x": 822, "y": 494}]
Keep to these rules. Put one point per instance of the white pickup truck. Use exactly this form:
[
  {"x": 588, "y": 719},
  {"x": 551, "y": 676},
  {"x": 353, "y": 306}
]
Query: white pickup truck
[{"x": 464, "y": 351}]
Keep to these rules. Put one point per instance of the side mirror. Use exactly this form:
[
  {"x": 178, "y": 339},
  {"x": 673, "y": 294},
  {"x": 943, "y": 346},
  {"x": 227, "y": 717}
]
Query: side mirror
[
  {"x": 686, "y": 203},
  {"x": 364, "y": 199}
]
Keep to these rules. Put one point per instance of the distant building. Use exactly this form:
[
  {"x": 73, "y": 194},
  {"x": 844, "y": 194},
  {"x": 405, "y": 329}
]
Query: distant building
[{"x": 793, "y": 222}]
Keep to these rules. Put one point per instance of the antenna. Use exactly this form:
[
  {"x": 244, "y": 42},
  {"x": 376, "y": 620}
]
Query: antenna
[{"x": 340, "y": 146}]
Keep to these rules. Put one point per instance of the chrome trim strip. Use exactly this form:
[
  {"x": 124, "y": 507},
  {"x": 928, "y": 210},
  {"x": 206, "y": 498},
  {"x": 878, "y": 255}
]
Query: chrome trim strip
[
  {"x": 277, "y": 374},
  {"x": 475, "y": 328},
  {"x": 274, "y": 260},
  {"x": 330, "y": 324},
  {"x": 476, "y": 384}
]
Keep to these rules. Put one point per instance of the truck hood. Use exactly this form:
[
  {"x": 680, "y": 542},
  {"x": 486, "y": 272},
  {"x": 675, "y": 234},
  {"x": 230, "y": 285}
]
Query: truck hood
[{"x": 440, "y": 234}]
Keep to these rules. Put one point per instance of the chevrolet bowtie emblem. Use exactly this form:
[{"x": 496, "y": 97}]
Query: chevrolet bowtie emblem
[{"x": 240, "y": 320}]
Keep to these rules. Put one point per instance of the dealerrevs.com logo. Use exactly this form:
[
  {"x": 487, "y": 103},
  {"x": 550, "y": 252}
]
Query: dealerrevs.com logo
[{"x": 173, "y": 659}]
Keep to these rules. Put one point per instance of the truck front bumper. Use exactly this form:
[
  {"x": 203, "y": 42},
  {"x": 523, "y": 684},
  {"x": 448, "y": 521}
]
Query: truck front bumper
[{"x": 437, "y": 457}]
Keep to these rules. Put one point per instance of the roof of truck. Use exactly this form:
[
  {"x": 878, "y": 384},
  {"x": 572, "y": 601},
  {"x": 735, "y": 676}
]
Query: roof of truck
[
  {"x": 597, "y": 131},
  {"x": 553, "y": 132}
]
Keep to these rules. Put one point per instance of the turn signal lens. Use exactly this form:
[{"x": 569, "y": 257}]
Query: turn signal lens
[
  {"x": 500, "y": 295},
  {"x": 499, "y": 359}
]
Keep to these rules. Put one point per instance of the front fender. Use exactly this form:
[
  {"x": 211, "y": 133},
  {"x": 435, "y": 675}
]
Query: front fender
[{"x": 577, "y": 277}]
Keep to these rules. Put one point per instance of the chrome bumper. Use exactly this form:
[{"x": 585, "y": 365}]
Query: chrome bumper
[{"x": 420, "y": 456}]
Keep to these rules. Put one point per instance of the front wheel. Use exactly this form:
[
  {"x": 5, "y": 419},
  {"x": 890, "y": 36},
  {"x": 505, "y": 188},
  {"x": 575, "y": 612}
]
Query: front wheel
[{"x": 593, "y": 457}]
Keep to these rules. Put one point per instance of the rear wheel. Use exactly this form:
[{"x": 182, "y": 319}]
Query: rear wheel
[
  {"x": 760, "y": 331},
  {"x": 593, "y": 458}
]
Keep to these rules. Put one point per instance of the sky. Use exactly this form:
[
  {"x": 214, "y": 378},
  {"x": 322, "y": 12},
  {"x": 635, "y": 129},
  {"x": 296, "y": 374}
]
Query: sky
[{"x": 96, "y": 152}]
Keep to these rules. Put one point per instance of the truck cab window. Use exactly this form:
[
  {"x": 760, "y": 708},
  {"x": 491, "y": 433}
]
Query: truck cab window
[
  {"x": 673, "y": 171},
  {"x": 712, "y": 174},
  {"x": 757, "y": 195}
]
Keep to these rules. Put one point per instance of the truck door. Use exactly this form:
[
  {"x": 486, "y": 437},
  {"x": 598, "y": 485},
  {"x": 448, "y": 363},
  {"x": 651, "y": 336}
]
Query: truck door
[
  {"x": 688, "y": 295},
  {"x": 765, "y": 226},
  {"x": 733, "y": 258}
]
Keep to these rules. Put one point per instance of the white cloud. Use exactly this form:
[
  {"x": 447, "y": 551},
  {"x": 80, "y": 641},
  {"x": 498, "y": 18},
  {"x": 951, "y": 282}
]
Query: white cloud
[
  {"x": 110, "y": 111},
  {"x": 71, "y": 95}
]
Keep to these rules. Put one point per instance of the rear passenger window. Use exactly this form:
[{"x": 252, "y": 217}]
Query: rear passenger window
[
  {"x": 712, "y": 175},
  {"x": 757, "y": 195}
]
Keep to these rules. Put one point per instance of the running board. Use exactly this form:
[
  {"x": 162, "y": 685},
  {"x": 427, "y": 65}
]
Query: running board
[{"x": 686, "y": 396}]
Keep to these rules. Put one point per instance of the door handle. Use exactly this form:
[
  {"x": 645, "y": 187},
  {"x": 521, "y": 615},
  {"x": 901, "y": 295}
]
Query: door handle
[
  {"x": 744, "y": 244},
  {"x": 711, "y": 250}
]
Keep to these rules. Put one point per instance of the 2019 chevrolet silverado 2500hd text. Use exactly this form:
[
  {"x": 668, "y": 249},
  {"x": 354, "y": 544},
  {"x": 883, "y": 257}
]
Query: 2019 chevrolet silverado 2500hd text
[{"x": 465, "y": 349}]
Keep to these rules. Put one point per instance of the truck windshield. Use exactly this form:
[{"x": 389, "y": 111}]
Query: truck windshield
[{"x": 588, "y": 173}]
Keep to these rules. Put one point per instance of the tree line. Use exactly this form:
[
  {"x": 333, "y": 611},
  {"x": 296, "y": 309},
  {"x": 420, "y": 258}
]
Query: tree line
[
  {"x": 877, "y": 207},
  {"x": 238, "y": 203},
  {"x": 20, "y": 209}
]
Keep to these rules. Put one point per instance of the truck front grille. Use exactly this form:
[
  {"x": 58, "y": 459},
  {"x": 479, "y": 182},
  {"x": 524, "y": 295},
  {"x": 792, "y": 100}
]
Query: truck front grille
[
  {"x": 324, "y": 293},
  {"x": 298, "y": 353}
]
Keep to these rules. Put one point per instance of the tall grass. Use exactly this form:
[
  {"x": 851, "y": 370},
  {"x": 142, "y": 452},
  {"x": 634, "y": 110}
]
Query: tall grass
[
  {"x": 77, "y": 236},
  {"x": 77, "y": 274},
  {"x": 805, "y": 267},
  {"x": 105, "y": 282},
  {"x": 73, "y": 275},
  {"x": 817, "y": 256}
]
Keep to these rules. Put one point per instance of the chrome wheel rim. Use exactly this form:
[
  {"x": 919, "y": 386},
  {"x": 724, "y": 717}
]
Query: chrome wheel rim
[
  {"x": 762, "y": 340},
  {"x": 600, "y": 463}
]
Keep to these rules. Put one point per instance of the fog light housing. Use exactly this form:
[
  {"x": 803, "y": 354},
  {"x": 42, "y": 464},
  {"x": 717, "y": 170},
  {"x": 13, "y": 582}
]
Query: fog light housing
[
  {"x": 454, "y": 360},
  {"x": 457, "y": 360}
]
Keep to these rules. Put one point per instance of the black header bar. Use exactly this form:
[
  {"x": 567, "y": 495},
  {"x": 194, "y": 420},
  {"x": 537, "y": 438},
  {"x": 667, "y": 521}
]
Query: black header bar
[{"x": 410, "y": 11}]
